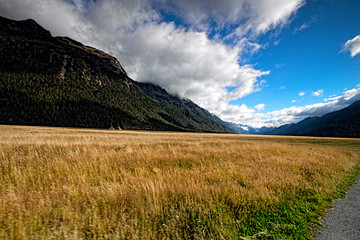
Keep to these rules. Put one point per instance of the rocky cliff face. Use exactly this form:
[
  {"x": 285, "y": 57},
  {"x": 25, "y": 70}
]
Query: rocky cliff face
[{"x": 57, "y": 81}]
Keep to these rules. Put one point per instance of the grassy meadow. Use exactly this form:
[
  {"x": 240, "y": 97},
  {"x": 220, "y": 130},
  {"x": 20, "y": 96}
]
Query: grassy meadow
[{"x": 59, "y": 183}]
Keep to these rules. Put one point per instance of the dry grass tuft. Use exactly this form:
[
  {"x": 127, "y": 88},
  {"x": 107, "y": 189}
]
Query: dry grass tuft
[{"x": 73, "y": 183}]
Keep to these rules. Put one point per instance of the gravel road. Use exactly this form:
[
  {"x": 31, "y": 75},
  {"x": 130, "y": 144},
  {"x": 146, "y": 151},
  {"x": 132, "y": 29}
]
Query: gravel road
[{"x": 343, "y": 221}]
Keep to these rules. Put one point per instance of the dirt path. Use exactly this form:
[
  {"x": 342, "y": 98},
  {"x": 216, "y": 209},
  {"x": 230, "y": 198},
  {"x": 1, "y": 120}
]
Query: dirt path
[{"x": 343, "y": 221}]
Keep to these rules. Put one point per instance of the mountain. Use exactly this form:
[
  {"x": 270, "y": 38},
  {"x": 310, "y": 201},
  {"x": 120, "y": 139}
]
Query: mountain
[
  {"x": 245, "y": 129},
  {"x": 342, "y": 123},
  {"x": 57, "y": 81}
]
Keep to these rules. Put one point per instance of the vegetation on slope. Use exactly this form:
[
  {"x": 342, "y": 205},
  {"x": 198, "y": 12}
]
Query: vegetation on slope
[
  {"x": 76, "y": 184},
  {"x": 60, "y": 82}
]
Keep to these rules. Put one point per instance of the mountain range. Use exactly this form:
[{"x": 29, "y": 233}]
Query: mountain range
[
  {"x": 341, "y": 123},
  {"x": 57, "y": 81}
]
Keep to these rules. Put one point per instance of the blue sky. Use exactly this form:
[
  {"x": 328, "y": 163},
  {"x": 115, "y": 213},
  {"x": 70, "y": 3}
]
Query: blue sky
[
  {"x": 251, "y": 62},
  {"x": 309, "y": 59}
]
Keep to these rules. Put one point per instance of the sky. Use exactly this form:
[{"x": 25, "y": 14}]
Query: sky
[{"x": 251, "y": 62}]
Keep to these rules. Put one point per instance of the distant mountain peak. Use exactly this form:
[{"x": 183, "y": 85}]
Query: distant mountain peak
[{"x": 29, "y": 28}]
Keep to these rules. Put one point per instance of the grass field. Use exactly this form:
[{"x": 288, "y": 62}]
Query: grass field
[{"x": 58, "y": 183}]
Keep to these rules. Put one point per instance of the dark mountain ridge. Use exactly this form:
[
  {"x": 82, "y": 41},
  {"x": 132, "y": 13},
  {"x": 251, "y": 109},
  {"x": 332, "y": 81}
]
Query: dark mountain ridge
[
  {"x": 57, "y": 81},
  {"x": 341, "y": 123}
]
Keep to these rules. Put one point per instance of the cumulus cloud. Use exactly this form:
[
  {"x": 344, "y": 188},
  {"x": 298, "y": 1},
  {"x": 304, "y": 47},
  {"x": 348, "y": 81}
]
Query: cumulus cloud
[
  {"x": 301, "y": 94},
  {"x": 187, "y": 63},
  {"x": 318, "y": 93},
  {"x": 353, "y": 45},
  {"x": 260, "y": 107},
  {"x": 259, "y": 15},
  {"x": 248, "y": 16},
  {"x": 273, "y": 13}
]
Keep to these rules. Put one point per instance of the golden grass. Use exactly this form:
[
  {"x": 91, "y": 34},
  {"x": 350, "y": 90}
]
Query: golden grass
[{"x": 58, "y": 183}]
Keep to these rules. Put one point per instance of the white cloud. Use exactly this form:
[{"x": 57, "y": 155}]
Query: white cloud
[
  {"x": 267, "y": 14},
  {"x": 80, "y": 5},
  {"x": 353, "y": 46},
  {"x": 301, "y": 94},
  {"x": 282, "y": 87},
  {"x": 305, "y": 25},
  {"x": 245, "y": 128},
  {"x": 318, "y": 93},
  {"x": 260, "y": 107},
  {"x": 301, "y": 28},
  {"x": 247, "y": 46},
  {"x": 281, "y": 65},
  {"x": 247, "y": 15},
  {"x": 188, "y": 64},
  {"x": 202, "y": 65}
]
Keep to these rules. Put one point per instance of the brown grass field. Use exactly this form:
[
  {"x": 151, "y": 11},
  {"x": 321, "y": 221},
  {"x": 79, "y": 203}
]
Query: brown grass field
[{"x": 60, "y": 183}]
